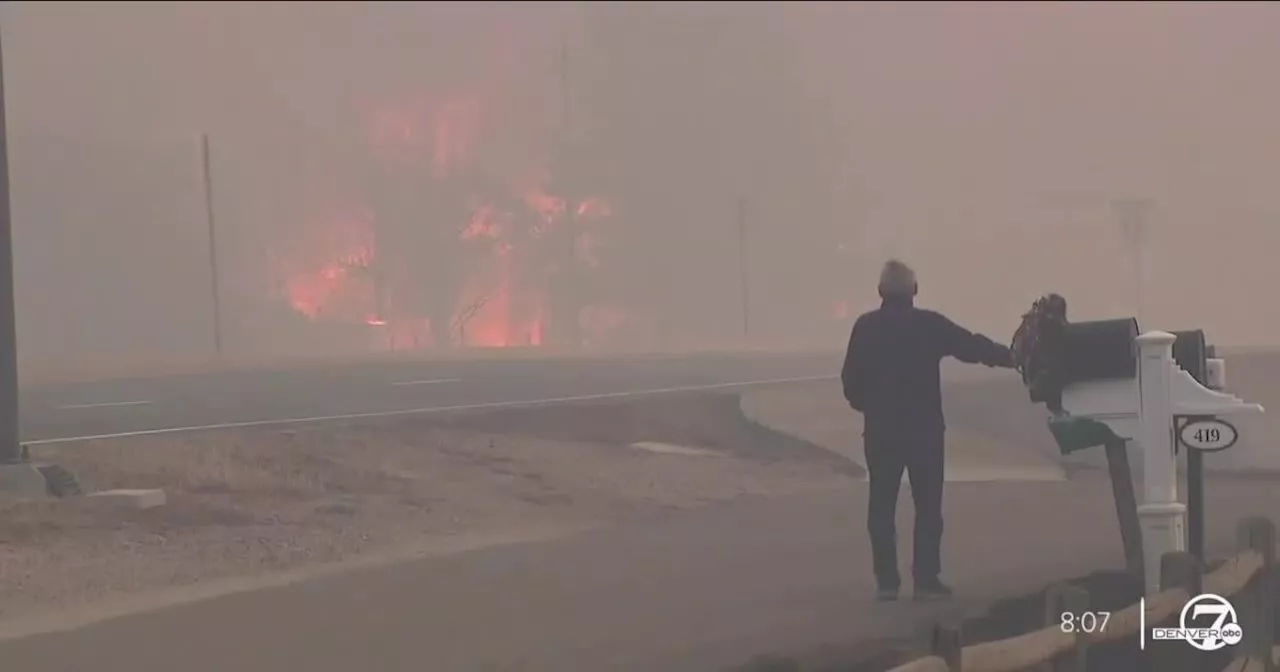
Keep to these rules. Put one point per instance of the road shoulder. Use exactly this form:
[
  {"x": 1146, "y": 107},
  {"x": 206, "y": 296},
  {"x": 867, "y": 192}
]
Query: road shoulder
[
  {"x": 253, "y": 506},
  {"x": 692, "y": 590}
]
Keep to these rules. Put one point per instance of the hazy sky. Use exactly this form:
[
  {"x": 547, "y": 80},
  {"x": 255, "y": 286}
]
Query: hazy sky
[{"x": 982, "y": 142}]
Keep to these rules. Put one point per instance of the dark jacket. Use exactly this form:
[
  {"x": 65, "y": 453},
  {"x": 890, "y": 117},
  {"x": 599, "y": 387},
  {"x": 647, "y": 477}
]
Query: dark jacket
[{"x": 891, "y": 369}]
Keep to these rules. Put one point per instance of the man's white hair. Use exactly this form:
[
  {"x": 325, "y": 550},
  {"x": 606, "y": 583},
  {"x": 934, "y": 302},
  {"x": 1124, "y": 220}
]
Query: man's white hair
[{"x": 897, "y": 279}]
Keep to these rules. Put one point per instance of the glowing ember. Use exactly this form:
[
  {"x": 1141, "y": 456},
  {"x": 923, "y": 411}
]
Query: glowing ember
[
  {"x": 549, "y": 208},
  {"x": 594, "y": 207},
  {"x": 841, "y": 310},
  {"x": 483, "y": 224}
]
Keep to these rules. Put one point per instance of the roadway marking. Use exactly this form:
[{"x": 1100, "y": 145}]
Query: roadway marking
[
  {"x": 104, "y": 404},
  {"x": 423, "y": 411},
  {"x": 434, "y": 381},
  {"x": 673, "y": 449}
]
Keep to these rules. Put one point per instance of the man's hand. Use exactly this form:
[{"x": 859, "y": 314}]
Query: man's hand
[{"x": 1004, "y": 360}]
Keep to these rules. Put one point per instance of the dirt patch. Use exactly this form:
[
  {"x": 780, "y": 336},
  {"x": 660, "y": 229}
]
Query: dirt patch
[{"x": 251, "y": 501}]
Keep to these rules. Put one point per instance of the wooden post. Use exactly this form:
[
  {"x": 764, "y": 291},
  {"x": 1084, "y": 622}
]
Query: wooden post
[
  {"x": 1126, "y": 506},
  {"x": 1064, "y": 598},
  {"x": 945, "y": 643},
  {"x": 215, "y": 288},
  {"x": 1178, "y": 569},
  {"x": 11, "y": 451},
  {"x": 1255, "y": 605}
]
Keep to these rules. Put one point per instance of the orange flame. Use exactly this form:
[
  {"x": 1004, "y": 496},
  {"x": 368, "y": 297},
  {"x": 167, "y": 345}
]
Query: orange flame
[
  {"x": 347, "y": 249},
  {"x": 502, "y": 301}
]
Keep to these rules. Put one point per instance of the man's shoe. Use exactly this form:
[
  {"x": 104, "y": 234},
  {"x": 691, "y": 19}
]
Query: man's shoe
[
  {"x": 932, "y": 589},
  {"x": 886, "y": 594}
]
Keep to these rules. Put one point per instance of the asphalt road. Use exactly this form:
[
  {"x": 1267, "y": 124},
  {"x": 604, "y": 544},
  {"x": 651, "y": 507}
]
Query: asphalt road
[
  {"x": 691, "y": 593},
  {"x": 246, "y": 397},
  {"x": 696, "y": 592}
]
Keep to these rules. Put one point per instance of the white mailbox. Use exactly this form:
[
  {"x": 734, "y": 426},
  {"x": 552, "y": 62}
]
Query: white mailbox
[{"x": 1143, "y": 408}]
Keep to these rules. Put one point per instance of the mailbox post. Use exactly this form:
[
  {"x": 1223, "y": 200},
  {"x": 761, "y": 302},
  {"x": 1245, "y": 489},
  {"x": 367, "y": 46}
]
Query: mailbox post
[
  {"x": 1191, "y": 353},
  {"x": 1200, "y": 435},
  {"x": 1162, "y": 515}
]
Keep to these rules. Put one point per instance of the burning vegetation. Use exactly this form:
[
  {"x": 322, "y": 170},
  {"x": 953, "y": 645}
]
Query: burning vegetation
[
  {"x": 507, "y": 208},
  {"x": 446, "y": 251}
]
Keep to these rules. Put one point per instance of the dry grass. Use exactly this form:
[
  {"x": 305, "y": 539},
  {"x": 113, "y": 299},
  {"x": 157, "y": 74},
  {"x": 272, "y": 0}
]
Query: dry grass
[{"x": 244, "y": 502}]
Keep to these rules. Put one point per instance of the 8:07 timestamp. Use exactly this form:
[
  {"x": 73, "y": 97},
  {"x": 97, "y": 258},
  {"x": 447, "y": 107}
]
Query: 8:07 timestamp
[{"x": 1086, "y": 622}]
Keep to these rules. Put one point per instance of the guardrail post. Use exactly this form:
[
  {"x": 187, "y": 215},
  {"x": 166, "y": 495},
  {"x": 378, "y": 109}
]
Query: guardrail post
[
  {"x": 1178, "y": 569},
  {"x": 1255, "y": 604},
  {"x": 1064, "y": 598},
  {"x": 945, "y": 643}
]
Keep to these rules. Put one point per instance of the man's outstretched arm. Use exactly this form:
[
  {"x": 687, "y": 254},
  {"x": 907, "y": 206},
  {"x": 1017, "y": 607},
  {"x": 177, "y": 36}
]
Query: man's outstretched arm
[
  {"x": 853, "y": 375},
  {"x": 969, "y": 347}
]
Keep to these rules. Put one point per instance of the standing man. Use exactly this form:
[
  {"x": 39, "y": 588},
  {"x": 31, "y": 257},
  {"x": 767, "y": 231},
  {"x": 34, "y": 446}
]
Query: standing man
[{"x": 891, "y": 375}]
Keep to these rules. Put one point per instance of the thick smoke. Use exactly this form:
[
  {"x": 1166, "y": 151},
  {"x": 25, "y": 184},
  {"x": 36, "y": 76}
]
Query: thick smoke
[{"x": 625, "y": 175}]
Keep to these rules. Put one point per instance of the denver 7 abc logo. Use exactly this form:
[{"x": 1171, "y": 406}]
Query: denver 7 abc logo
[{"x": 1208, "y": 622}]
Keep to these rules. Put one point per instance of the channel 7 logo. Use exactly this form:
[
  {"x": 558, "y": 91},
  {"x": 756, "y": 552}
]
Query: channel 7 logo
[{"x": 1208, "y": 622}]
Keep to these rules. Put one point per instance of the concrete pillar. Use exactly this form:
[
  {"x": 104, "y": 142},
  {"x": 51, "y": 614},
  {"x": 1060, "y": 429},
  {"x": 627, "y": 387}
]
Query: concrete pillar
[{"x": 1163, "y": 517}]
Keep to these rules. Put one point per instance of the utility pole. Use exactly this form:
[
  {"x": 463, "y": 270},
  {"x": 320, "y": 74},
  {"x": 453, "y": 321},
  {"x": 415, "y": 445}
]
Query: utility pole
[
  {"x": 564, "y": 89},
  {"x": 214, "y": 286},
  {"x": 1132, "y": 215},
  {"x": 10, "y": 450},
  {"x": 571, "y": 290},
  {"x": 18, "y": 475},
  {"x": 742, "y": 271}
]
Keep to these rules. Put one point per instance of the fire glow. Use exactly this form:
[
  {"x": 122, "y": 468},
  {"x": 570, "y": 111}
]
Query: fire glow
[{"x": 503, "y": 244}]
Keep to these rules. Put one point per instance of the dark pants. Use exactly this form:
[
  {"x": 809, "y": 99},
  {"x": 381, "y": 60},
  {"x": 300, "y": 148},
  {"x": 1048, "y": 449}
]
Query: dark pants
[{"x": 920, "y": 455}]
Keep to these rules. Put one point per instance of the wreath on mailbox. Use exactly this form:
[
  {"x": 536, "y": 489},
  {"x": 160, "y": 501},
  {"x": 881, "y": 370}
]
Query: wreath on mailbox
[{"x": 1037, "y": 349}]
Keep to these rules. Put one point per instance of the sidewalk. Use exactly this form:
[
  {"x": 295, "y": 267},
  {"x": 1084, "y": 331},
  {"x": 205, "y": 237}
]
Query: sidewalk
[
  {"x": 694, "y": 592},
  {"x": 816, "y": 412}
]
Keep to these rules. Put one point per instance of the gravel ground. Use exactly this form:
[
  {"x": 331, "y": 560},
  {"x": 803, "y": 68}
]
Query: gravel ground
[{"x": 266, "y": 501}]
